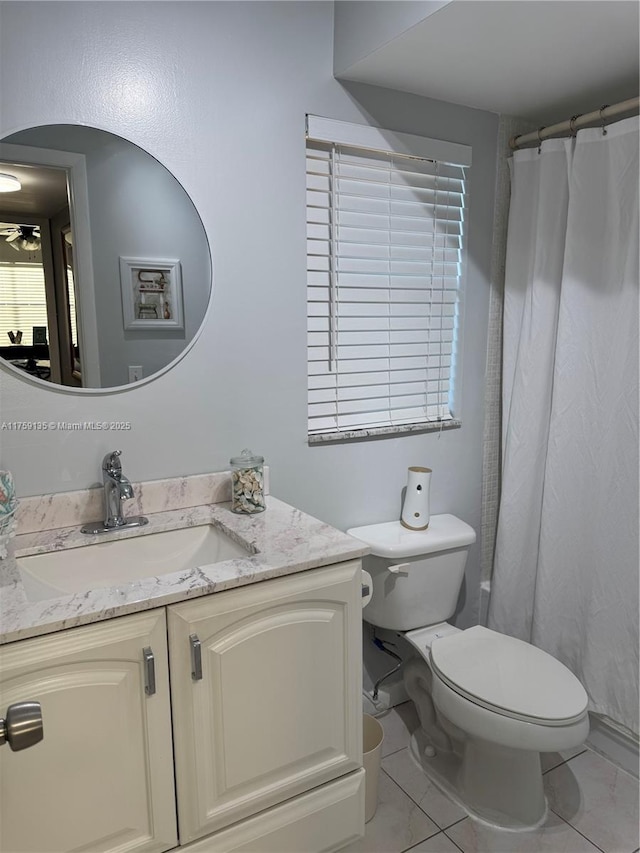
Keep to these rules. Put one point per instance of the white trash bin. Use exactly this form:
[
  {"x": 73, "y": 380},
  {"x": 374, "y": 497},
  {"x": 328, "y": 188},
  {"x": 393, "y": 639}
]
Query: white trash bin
[{"x": 372, "y": 737}]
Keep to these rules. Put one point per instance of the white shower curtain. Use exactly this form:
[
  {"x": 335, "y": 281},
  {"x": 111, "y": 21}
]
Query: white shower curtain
[{"x": 566, "y": 566}]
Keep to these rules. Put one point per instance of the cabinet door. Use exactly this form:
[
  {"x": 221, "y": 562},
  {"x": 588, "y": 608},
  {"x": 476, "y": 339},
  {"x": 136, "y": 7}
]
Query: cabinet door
[
  {"x": 278, "y": 707},
  {"x": 102, "y": 777}
]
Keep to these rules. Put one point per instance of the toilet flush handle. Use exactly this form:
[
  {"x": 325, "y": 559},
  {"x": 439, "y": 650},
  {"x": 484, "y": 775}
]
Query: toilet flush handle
[{"x": 399, "y": 569}]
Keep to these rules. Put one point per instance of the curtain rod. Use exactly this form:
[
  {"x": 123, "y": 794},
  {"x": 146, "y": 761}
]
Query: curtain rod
[{"x": 602, "y": 116}]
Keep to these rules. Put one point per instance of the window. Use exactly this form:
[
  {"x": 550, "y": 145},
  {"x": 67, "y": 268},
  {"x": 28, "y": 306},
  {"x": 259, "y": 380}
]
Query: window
[
  {"x": 385, "y": 232},
  {"x": 23, "y": 301}
]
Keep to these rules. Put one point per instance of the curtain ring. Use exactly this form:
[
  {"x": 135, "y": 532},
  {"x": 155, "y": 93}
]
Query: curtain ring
[
  {"x": 540, "y": 139},
  {"x": 572, "y": 129},
  {"x": 602, "y": 109}
]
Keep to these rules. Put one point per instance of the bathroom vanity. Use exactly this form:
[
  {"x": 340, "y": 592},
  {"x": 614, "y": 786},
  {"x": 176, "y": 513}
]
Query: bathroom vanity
[{"x": 217, "y": 708}]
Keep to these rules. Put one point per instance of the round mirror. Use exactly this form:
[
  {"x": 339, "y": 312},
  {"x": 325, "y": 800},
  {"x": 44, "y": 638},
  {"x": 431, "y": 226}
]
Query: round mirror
[{"x": 105, "y": 268}]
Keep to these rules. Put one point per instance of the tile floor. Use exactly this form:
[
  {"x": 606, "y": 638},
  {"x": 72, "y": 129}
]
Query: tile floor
[{"x": 593, "y": 806}]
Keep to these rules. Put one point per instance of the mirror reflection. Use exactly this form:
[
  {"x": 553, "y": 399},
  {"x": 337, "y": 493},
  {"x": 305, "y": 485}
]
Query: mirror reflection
[{"x": 105, "y": 269}]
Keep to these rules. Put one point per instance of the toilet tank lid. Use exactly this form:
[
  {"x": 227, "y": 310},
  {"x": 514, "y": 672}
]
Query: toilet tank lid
[{"x": 390, "y": 539}]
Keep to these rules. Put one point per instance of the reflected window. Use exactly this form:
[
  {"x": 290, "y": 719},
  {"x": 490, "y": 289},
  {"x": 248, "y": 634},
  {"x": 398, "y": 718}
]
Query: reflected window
[{"x": 23, "y": 302}]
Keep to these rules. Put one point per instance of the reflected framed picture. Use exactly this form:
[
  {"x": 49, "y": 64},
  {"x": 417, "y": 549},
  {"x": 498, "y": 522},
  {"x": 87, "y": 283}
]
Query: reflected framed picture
[{"x": 151, "y": 293}]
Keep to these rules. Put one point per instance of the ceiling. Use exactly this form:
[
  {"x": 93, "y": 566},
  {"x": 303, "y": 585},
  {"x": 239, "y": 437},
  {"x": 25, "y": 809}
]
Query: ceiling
[
  {"x": 43, "y": 193},
  {"x": 542, "y": 60}
]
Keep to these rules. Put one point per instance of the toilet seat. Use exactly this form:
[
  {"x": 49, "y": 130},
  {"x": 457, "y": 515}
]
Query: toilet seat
[{"x": 508, "y": 677}]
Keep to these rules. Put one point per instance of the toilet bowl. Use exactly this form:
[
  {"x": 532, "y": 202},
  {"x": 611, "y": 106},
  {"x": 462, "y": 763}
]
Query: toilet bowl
[{"x": 488, "y": 704}]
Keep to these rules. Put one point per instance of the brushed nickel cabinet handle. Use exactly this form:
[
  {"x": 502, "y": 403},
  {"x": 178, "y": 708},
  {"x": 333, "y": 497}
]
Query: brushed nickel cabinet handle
[
  {"x": 149, "y": 671},
  {"x": 196, "y": 657}
]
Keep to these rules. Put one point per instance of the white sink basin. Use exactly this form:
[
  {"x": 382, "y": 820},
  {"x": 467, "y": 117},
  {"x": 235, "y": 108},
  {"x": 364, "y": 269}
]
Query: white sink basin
[{"x": 121, "y": 561}]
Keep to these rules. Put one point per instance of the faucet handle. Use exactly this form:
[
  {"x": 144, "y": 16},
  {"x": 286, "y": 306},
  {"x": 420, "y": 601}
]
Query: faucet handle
[{"x": 111, "y": 462}]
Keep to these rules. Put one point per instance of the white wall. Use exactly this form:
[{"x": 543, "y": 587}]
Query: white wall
[
  {"x": 158, "y": 222},
  {"x": 218, "y": 92}
]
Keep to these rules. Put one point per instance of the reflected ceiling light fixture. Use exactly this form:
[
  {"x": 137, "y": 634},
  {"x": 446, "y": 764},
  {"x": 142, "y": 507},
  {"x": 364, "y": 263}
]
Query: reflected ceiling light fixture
[
  {"x": 26, "y": 237},
  {"x": 9, "y": 183}
]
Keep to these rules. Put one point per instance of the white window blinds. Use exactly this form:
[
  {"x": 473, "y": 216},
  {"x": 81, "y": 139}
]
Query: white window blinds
[
  {"x": 384, "y": 261},
  {"x": 23, "y": 301}
]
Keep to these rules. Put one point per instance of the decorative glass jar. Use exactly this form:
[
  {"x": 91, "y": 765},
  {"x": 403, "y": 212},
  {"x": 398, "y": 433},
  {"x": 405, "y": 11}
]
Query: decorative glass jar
[{"x": 247, "y": 483}]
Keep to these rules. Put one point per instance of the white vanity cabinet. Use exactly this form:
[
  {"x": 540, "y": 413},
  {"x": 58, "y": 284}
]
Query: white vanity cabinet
[
  {"x": 263, "y": 719},
  {"x": 102, "y": 777},
  {"x": 266, "y": 696}
]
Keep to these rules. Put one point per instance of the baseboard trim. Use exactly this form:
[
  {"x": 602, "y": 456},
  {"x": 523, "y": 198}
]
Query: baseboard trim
[{"x": 620, "y": 748}]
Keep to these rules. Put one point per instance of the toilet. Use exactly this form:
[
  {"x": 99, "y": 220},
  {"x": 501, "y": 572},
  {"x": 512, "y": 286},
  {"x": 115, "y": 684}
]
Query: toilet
[{"x": 488, "y": 704}]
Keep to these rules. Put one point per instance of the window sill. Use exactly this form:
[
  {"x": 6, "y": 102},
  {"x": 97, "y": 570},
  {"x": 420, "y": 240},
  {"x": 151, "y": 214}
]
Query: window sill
[{"x": 383, "y": 432}]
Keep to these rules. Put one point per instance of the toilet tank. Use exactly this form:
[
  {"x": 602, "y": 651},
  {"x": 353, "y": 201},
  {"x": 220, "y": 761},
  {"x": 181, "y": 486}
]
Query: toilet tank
[{"x": 417, "y": 574}]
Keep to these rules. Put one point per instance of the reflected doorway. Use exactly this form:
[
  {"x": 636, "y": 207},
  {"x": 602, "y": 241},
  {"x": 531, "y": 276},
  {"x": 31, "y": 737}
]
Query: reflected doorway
[{"x": 38, "y": 330}]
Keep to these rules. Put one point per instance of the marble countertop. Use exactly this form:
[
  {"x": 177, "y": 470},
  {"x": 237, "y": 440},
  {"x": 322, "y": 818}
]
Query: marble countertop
[{"x": 280, "y": 541}]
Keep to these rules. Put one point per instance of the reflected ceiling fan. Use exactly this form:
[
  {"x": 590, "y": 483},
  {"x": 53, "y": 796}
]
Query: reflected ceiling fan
[{"x": 26, "y": 237}]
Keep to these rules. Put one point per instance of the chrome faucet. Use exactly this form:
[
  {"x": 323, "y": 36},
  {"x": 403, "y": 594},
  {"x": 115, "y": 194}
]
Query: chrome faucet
[{"x": 117, "y": 488}]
